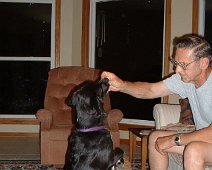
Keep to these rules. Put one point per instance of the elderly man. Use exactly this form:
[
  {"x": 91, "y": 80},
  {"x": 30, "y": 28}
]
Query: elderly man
[{"x": 193, "y": 79}]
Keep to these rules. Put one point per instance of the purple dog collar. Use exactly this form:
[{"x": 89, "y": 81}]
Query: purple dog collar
[{"x": 97, "y": 128}]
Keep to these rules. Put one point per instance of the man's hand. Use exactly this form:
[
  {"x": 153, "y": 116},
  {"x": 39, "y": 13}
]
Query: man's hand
[
  {"x": 116, "y": 84},
  {"x": 164, "y": 143}
]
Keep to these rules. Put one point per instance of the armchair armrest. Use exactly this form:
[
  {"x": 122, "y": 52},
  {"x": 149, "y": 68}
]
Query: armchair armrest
[
  {"x": 165, "y": 114},
  {"x": 45, "y": 117},
  {"x": 113, "y": 119}
]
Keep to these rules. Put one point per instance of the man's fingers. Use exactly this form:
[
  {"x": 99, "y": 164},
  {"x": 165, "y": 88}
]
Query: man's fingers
[{"x": 158, "y": 149}]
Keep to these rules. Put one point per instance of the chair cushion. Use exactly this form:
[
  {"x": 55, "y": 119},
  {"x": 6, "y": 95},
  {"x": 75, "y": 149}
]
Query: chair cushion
[{"x": 185, "y": 113}]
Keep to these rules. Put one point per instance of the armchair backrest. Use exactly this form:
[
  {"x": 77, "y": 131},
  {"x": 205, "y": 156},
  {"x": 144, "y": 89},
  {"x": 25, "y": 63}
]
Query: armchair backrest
[
  {"x": 61, "y": 82},
  {"x": 165, "y": 114}
]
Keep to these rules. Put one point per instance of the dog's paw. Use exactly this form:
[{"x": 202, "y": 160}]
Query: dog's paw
[
  {"x": 119, "y": 164},
  {"x": 118, "y": 159}
]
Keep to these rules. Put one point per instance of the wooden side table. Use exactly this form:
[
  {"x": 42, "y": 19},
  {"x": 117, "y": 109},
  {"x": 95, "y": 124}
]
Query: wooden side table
[{"x": 136, "y": 132}]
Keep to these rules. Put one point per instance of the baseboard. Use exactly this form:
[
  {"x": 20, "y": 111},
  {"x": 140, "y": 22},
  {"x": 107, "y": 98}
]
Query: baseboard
[
  {"x": 124, "y": 141},
  {"x": 19, "y": 121},
  {"x": 17, "y": 134}
]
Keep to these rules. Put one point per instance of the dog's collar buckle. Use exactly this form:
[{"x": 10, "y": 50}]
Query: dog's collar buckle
[{"x": 93, "y": 129}]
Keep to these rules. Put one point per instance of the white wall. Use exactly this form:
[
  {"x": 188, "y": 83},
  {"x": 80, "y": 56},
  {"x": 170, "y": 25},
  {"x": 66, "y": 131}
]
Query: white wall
[
  {"x": 181, "y": 23},
  {"x": 71, "y": 28}
]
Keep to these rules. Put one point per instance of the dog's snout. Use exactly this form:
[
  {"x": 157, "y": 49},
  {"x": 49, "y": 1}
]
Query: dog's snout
[{"x": 104, "y": 81}]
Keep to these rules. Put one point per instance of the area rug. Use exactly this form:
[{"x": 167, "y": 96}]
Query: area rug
[
  {"x": 136, "y": 165},
  {"x": 35, "y": 165},
  {"x": 24, "y": 165}
]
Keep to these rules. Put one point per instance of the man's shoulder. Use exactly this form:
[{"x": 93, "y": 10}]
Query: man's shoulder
[{"x": 173, "y": 76}]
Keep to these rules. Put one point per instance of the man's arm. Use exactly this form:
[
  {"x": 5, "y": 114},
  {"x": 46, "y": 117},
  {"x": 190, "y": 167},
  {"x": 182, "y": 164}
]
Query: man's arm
[
  {"x": 167, "y": 143},
  {"x": 143, "y": 90},
  {"x": 204, "y": 135}
]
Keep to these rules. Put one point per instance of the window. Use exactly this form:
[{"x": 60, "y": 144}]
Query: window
[
  {"x": 124, "y": 36},
  {"x": 27, "y": 53},
  {"x": 205, "y": 17}
]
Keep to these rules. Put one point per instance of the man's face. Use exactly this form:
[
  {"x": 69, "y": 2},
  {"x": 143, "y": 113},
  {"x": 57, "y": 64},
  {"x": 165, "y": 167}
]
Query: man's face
[{"x": 190, "y": 73}]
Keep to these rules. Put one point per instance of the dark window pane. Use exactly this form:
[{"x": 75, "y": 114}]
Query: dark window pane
[
  {"x": 25, "y": 29},
  {"x": 208, "y": 19},
  {"x": 129, "y": 42},
  {"x": 22, "y": 86}
]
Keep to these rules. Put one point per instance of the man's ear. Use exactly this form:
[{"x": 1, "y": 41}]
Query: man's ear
[{"x": 204, "y": 62}]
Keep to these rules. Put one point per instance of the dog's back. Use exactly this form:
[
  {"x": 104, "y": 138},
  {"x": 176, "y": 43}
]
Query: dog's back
[
  {"x": 90, "y": 145},
  {"x": 91, "y": 151}
]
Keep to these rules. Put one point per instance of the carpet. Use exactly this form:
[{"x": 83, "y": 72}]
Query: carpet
[
  {"x": 24, "y": 165},
  {"x": 35, "y": 165}
]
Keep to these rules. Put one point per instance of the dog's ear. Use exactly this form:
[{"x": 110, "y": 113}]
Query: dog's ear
[{"x": 72, "y": 99}]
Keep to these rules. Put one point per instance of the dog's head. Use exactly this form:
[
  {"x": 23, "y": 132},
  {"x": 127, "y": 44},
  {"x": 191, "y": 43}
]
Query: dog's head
[{"x": 88, "y": 103}]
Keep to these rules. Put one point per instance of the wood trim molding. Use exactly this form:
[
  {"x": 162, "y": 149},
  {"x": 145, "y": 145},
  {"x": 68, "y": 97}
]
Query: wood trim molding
[
  {"x": 167, "y": 37},
  {"x": 167, "y": 42},
  {"x": 195, "y": 14},
  {"x": 19, "y": 121},
  {"x": 18, "y": 134},
  {"x": 85, "y": 33},
  {"x": 57, "y": 33}
]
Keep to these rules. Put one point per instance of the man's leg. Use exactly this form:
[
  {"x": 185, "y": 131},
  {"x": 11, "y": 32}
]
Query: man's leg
[
  {"x": 156, "y": 160},
  {"x": 196, "y": 155}
]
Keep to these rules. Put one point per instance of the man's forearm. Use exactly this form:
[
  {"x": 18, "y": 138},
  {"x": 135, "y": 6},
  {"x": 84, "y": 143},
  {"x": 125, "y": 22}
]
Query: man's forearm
[
  {"x": 136, "y": 89},
  {"x": 204, "y": 135},
  {"x": 145, "y": 90}
]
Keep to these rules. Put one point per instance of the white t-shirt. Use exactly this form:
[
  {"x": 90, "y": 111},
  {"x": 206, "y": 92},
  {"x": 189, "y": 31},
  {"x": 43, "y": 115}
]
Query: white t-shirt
[{"x": 200, "y": 98}]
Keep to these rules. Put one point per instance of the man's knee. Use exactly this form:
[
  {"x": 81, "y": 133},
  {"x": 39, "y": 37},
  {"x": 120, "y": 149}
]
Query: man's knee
[
  {"x": 192, "y": 154},
  {"x": 192, "y": 149},
  {"x": 153, "y": 137}
]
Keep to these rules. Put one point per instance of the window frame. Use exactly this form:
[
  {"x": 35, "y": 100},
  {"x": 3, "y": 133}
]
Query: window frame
[
  {"x": 201, "y": 17},
  {"x": 51, "y": 58},
  {"x": 54, "y": 58}
]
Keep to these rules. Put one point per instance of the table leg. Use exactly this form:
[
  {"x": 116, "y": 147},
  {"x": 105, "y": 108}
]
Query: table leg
[
  {"x": 132, "y": 139},
  {"x": 144, "y": 152}
]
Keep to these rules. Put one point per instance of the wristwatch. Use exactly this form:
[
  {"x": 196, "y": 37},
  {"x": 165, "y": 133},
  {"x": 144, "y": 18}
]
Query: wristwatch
[{"x": 177, "y": 140}]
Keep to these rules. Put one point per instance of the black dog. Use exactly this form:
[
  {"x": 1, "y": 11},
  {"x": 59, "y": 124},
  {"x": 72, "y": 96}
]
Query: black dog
[{"x": 90, "y": 145}]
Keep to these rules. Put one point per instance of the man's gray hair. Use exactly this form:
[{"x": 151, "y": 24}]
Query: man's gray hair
[{"x": 199, "y": 45}]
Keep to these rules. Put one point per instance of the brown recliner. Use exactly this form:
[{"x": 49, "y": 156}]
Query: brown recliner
[{"x": 56, "y": 117}]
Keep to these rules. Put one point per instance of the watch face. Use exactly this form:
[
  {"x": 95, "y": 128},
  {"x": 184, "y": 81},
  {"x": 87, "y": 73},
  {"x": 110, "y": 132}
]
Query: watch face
[{"x": 177, "y": 140}]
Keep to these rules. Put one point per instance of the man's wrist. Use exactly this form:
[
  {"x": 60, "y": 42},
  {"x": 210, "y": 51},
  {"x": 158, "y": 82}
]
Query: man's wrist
[
  {"x": 177, "y": 139},
  {"x": 123, "y": 86}
]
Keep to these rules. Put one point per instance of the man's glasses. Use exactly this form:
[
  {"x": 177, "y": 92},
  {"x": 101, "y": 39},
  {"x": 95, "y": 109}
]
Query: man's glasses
[{"x": 181, "y": 64}]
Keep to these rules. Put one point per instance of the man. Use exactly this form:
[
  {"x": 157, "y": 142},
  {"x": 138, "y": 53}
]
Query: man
[{"x": 193, "y": 79}]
